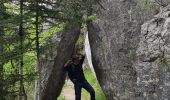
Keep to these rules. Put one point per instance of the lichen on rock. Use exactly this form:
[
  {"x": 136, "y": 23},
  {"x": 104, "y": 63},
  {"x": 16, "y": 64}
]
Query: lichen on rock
[
  {"x": 154, "y": 76},
  {"x": 125, "y": 56}
]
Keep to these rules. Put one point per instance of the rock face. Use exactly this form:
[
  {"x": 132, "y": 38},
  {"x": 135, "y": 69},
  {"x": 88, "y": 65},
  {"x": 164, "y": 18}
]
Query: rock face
[
  {"x": 131, "y": 63},
  {"x": 47, "y": 60},
  {"x": 56, "y": 77},
  {"x": 153, "y": 63},
  {"x": 114, "y": 39}
]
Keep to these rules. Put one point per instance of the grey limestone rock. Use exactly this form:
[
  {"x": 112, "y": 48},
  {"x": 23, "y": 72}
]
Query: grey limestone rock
[
  {"x": 153, "y": 62},
  {"x": 131, "y": 62},
  {"x": 114, "y": 39}
]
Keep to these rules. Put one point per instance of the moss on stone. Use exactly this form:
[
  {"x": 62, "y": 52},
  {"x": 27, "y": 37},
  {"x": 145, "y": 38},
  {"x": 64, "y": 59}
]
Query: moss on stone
[{"x": 169, "y": 14}]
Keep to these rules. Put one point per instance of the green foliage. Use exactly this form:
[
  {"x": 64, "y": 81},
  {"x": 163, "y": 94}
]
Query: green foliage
[
  {"x": 61, "y": 97},
  {"x": 93, "y": 81},
  {"x": 51, "y": 32},
  {"x": 89, "y": 18},
  {"x": 29, "y": 87},
  {"x": 56, "y": 13},
  {"x": 75, "y": 9},
  {"x": 80, "y": 43}
]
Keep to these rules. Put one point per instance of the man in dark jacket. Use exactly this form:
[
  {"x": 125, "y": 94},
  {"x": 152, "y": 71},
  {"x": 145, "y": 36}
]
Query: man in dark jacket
[{"x": 76, "y": 75}]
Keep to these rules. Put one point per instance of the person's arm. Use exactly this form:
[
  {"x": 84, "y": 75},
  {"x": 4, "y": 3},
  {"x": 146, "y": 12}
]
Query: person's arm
[
  {"x": 82, "y": 59},
  {"x": 67, "y": 64}
]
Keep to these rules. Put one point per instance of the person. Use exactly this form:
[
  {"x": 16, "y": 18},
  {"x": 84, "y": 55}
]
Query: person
[{"x": 76, "y": 75}]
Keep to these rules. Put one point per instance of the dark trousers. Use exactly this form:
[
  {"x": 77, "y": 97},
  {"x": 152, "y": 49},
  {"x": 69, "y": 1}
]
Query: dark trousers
[{"x": 79, "y": 85}]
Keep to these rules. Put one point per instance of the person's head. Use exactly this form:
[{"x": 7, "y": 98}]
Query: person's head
[{"x": 76, "y": 58}]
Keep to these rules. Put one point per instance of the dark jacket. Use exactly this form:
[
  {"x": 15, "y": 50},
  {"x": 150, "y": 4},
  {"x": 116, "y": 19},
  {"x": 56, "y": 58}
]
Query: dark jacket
[{"x": 75, "y": 72}]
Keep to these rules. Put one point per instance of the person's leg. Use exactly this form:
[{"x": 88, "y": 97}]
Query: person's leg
[
  {"x": 77, "y": 87},
  {"x": 90, "y": 89}
]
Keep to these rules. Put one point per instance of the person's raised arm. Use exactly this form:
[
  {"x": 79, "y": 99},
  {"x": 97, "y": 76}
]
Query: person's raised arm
[{"x": 67, "y": 63}]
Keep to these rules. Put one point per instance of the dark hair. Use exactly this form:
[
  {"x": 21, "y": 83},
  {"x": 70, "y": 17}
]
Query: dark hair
[{"x": 75, "y": 57}]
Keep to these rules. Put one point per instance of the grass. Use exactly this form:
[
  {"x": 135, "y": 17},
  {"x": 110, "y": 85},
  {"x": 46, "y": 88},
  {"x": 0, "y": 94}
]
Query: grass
[
  {"x": 61, "y": 97},
  {"x": 93, "y": 81}
]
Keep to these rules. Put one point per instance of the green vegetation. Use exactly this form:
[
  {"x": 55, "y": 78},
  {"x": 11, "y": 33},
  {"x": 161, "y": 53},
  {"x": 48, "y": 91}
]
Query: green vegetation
[
  {"x": 61, "y": 97},
  {"x": 80, "y": 43},
  {"x": 25, "y": 27},
  {"x": 93, "y": 81}
]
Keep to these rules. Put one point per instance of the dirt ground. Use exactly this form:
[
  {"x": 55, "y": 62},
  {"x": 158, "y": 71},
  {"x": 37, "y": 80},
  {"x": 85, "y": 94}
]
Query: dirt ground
[{"x": 69, "y": 92}]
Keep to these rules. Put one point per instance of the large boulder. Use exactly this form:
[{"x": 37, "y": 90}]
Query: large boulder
[
  {"x": 54, "y": 79},
  {"x": 114, "y": 39},
  {"x": 49, "y": 52},
  {"x": 153, "y": 58}
]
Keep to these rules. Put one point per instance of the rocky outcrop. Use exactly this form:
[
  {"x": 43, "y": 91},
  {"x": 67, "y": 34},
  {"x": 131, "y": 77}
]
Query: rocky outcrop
[
  {"x": 159, "y": 3},
  {"x": 153, "y": 62},
  {"x": 114, "y": 39},
  {"x": 131, "y": 63},
  {"x": 55, "y": 80},
  {"x": 49, "y": 52}
]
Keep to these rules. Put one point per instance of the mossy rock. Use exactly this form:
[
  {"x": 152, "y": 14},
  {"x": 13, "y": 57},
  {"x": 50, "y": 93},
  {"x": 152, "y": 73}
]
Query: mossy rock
[
  {"x": 163, "y": 60},
  {"x": 169, "y": 14}
]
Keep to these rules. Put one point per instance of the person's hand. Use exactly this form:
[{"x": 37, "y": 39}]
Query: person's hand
[{"x": 67, "y": 63}]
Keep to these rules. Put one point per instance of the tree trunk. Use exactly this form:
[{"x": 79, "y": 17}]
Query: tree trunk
[
  {"x": 22, "y": 93},
  {"x": 64, "y": 51},
  {"x": 2, "y": 94},
  {"x": 38, "y": 69},
  {"x": 1, "y": 65}
]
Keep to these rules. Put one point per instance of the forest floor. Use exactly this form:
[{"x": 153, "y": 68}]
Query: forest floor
[{"x": 69, "y": 93}]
